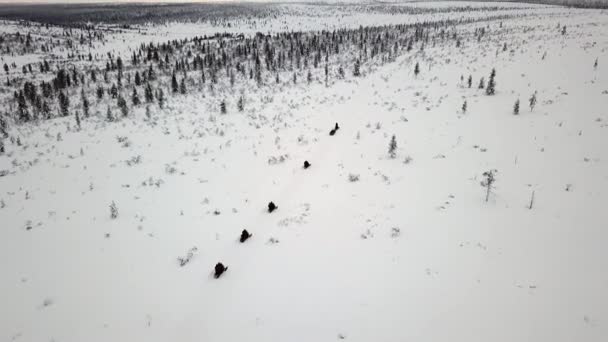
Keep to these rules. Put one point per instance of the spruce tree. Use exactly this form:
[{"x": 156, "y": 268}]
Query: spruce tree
[
  {"x": 135, "y": 97},
  {"x": 240, "y": 104},
  {"x": 137, "y": 79},
  {"x": 161, "y": 98},
  {"x": 114, "y": 91},
  {"x": 46, "y": 110},
  {"x": 392, "y": 147},
  {"x": 357, "y": 68},
  {"x": 77, "y": 117},
  {"x": 100, "y": 92},
  {"x": 532, "y": 101},
  {"x": 516, "y": 107},
  {"x": 85, "y": 103},
  {"x": 3, "y": 127},
  {"x": 109, "y": 116},
  {"x": 149, "y": 94},
  {"x": 122, "y": 105},
  {"x": 64, "y": 104},
  {"x": 182, "y": 86},
  {"x": 24, "y": 113},
  {"x": 491, "y": 88},
  {"x": 174, "y": 85},
  {"x": 151, "y": 73}
]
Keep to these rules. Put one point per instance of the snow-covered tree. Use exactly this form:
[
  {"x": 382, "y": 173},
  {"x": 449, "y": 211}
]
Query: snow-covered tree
[
  {"x": 174, "y": 84},
  {"x": 392, "y": 147},
  {"x": 85, "y": 103},
  {"x": 135, "y": 97},
  {"x": 488, "y": 182},
  {"x": 532, "y": 101},
  {"x": 240, "y": 105},
  {"x": 122, "y": 105},
  {"x": 491, "y": 88}
]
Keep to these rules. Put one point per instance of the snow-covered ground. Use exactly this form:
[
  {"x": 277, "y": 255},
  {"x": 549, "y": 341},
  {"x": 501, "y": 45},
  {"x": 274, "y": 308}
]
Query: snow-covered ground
[{"x": 363, "y": 247}]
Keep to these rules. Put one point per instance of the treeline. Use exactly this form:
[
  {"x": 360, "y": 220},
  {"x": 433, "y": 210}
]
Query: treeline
[
  {"x": 21, "y": 44},
  {"x": 179, "y": 67},
  {"x": 568, "y": 3},
  {"x": 134, "y": 13}
]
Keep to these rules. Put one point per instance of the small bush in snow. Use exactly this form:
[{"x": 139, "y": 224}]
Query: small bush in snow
[
  {"x": 124, "y": 141},
  {"x": 113, "y": 210},
  {"x": 134, "y": 160},
  {"x": 488, "y": 182},
  {"x": 183, "y": 261},
  {"x": 395, "y": 232},
  {"x": 170, "y": 169},
  {"x": 353, "y": 178},
  {"x": 278, "y": 160}
]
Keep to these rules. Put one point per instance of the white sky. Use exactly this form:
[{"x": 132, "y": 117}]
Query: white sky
[{"x": 115, "y": 1}]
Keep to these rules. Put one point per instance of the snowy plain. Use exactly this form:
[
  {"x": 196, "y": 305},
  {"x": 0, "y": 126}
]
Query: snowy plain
[{"x": 408, "y": 252}]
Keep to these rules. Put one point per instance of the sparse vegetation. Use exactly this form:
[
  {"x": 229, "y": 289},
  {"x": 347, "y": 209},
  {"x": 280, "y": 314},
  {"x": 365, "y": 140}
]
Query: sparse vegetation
[
  {"x": 198, "y": 118},
  {"x": 113, "y": 210}
]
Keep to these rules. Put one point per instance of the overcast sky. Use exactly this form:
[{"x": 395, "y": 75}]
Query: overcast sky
[{"x": 115, "y": 1}]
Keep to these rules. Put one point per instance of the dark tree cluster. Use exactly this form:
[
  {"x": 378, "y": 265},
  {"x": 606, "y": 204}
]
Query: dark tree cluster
[{"x": 220, "y": 61}]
